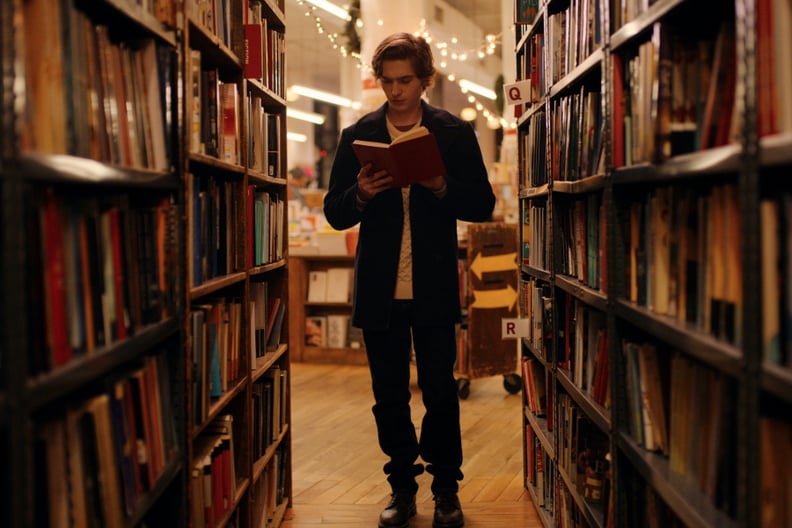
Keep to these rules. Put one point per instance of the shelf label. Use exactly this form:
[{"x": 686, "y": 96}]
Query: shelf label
[{"x": 515, "y": 328}]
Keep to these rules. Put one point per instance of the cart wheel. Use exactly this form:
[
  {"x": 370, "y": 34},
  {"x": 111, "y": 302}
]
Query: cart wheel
[
  {"x": 512, "y": 383},
  {"x": 463, "y": 388}
]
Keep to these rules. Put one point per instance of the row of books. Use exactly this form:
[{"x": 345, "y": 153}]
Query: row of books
[
  {"x": 213, "y": 209},
  {"x": 536, "y": 305},
  {"x": 582, "y": 450},
  {"x": 214, "y": 16},
  {"x": 265, "y": 49},
  {"x": 577, "y": 141},
  {"x": 531, "y": 66},
  {"x": 333, "y": 285},
  {"x": 265, "y": 216},
  {"x": 684, "y": 255},
  {"x": 216, "y": 348},
  {"x": 537, "y": 387},
  {"x": 583, "y": 347},
  {"x": 332, "y": 331},
  {"x": 540, "y": 472},
  {"x": 101, "y": 268},
  {"x": 267, "y": 313},
  {"x": 100, "y": 457},
  {"x": 90, "y": 96},
  {"x": 264, "y": 137},
  {"x": 776, "y": 272},
  {"x": 572, "y": 35},
  {"x": 535, "y": 252},
  {"x": 215, "y": 117},
  {"x": 684, "y": 410},
  {"x": 581, "y": 239},
  {"x": 213, "y": 479},
  {"x": 270, "y": 398},
  {"x": 535, "y": 152},
  {"x": 269, "y": 490},
  {"x": 674, "y": 94}
]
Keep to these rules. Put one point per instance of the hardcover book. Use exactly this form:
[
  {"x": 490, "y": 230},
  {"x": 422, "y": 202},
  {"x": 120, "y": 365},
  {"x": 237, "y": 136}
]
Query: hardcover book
[{"x": 410, "y": 158}]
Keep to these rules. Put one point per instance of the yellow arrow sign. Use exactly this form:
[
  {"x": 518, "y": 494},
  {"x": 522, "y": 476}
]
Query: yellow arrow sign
[
  {"x": 502, "y": 298},
  {"x": 483, "y": 264}
]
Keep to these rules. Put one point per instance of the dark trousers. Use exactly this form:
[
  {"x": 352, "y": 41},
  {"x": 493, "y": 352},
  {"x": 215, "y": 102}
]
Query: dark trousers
[{"x": 440, "y": 443}]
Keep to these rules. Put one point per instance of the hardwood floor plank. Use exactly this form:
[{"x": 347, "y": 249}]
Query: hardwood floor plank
[{"x": 337, "y": 464}]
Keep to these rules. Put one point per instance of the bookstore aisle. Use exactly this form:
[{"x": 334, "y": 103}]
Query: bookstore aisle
[{"x": 337, "y": 465}]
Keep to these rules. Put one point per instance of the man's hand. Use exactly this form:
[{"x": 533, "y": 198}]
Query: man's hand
[
  {"x": 371, "y": 183},
  {"x": 434, "y": 184}
]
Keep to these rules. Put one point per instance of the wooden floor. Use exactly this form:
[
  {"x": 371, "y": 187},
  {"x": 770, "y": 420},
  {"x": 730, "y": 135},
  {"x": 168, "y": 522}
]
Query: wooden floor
[{"x": 337, "y": 464}]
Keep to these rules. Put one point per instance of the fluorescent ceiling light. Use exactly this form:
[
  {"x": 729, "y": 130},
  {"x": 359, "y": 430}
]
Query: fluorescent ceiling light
[
  {"x": 311, "y": 117},
  {"x": 331, "y": 8},
  {"x": 476, "y": 89},
  {"x": 294, "y": 136},
  {"x": 322, "y": 96}
]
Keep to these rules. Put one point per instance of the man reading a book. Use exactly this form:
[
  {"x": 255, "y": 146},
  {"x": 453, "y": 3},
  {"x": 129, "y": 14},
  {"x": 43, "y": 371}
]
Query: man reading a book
[{"x": 406, "y": 288}]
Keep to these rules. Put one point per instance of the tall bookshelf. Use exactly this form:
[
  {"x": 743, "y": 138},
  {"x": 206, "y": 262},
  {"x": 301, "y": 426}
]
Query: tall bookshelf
[
  {"x": 92, "y": 342},
  {"x": 237, "y": 289},
  {"x": 655, "y": 261},
  {"x": 109, "y": 211}
]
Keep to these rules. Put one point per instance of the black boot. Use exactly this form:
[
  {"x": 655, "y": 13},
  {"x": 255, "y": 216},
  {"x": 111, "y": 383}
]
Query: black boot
[
  {"x": 398, "y": 512},
  {"x": 448, "y": 512}
]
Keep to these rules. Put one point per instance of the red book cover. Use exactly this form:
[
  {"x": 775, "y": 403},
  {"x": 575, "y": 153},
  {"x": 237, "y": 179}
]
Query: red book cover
[
  {"x": 617, "y": 123},
  {"x": 55, "y": 280},
  {"x": 254, "y": 58},
  {"x": 412, "y": 157}
]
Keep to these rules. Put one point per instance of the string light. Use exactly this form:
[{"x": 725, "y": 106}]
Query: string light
[{"x": 488, "y": 47}]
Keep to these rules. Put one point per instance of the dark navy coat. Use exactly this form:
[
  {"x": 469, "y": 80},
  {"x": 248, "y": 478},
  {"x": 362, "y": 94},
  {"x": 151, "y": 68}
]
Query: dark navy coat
[{"x": 432, "y": 221}]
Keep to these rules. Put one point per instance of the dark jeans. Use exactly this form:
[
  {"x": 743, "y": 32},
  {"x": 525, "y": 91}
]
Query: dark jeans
[{"x": 440, "y": 445}]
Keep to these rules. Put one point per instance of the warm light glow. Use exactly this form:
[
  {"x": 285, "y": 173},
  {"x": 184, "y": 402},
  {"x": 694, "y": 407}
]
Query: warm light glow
[
  {"x": 476, "y": 89},
  {"x": 468, "y": 114},
  {"x": 294, "y": 136},
  {"x": 331, "y": 8},
  {"x": 322, "y": 96},
  {"x": 311, "y": 117}
]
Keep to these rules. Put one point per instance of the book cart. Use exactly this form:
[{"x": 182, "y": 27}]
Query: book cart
[{"x": 489, "y": 290}]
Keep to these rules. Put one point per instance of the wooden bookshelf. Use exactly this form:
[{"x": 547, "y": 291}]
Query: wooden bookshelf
[
  {"x": 236, "y": 282},
  {"x": 300, "y": 269},
  {"x": 92, "y": 349},
  {"x": 120, "y": 232},
  {"x": 652, "y": 201}
]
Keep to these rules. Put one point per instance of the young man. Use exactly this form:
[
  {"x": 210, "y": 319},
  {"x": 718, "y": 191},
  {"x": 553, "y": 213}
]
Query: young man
[{"x": 406, "y": 291}]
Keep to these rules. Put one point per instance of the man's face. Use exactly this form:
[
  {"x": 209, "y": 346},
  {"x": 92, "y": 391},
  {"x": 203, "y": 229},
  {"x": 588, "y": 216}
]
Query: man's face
[{"x": 402, "y": 87}]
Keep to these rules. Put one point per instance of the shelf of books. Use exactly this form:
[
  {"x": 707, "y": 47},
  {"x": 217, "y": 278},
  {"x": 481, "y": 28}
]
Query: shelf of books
[
  {"x": 235, "y": 190},
  {"x": 655, "y": 261},
  {"x": 320, "y": 316},
  {"x": 93, "y": 353},
  {"x": 138, "y": 261}
]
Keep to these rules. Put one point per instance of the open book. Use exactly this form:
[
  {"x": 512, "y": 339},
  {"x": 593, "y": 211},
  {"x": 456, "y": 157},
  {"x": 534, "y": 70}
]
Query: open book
[{"x": 412, "y": 157}]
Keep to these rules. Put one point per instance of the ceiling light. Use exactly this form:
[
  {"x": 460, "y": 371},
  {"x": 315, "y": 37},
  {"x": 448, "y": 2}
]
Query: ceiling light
[
  {"x": 294, "y": 136},
  {"x": 311, "y": 117},
  {"x": 322, "y": 96},
  {"x": 477, "y": 89},
  {"x": 331, "y": 8}
]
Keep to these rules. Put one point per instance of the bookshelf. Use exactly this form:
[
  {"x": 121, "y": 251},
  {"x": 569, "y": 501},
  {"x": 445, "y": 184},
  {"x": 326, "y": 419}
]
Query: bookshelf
[
  {"x": 134, "y": 256},
  {"x": 312, "y": 312},
  {"x": 237, "y": 295},
  {"x": 655, "y": 261},
  {"x": 93, "y": 352}
]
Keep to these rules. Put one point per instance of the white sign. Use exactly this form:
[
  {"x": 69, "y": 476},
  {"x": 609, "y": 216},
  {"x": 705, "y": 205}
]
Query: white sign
[
  {"x": 515, "y": 328},
  {"x": 517, "y": 93}
]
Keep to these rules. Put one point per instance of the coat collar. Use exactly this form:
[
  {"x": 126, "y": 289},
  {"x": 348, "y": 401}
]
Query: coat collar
[{"x": 372, "y": 126}]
